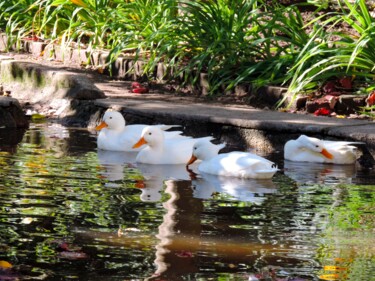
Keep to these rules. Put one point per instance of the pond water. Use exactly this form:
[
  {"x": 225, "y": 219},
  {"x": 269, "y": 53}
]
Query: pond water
[{"x": 70, "y": 212}]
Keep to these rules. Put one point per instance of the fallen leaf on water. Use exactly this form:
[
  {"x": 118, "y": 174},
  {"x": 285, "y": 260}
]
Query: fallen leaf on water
[
  {"x": 33, "y": 165},
  {"x": 333, "y": 276},
  {"x": 73, "y": 255},
  {"x": 184, "y": 254},
  {"x": 343, "y": 260},
  {"x": 335, "y": 268},
  {"x": 27, "y": 220},
  {"x": 329, "y": 276},
  {"x": 5, "y": 265},
  {"x": 37, "y": 116},
  {"x": 64, "y": 246}
]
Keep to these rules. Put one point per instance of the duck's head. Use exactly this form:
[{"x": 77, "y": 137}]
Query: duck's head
[
  {"x": 315, "y": 145},
  {"x": 151, "y": 135},
  {"x": 113, "y": 120},
  {"x": 204, "y": 150}
]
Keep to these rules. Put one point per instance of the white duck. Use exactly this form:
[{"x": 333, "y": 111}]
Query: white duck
[
  {"x": 308, "y": 149},
  {"x": 115, "y": 136},
  {"x": 160, "y": 150},
  {"x": 233, "y": 164}
]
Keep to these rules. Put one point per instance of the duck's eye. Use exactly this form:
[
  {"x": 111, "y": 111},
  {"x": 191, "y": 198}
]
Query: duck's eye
[
  {"x": 316, "y": 146},
  {"x": 149, "y": 133},
  {"x": 110, "y": 117}
]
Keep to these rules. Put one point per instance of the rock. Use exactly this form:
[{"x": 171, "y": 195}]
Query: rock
[
  {"x": 349, "y": 104},
  {"x": 52, "y": 89},
  {"x": 313, "y": 106},
  {"x": 37, "y": 83},
  {"x": 11, "y": 114}
]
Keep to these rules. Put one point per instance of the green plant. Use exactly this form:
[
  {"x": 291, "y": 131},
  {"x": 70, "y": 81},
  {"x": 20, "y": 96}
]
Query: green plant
[
  {"x": 16, "y": 20},
  {"x": 279, "y": 37},
  {"x": 212, "y": 37},
  {"x": 143, "y": 30},
  {"x": 349, "y": 55},
  {"x": 234, "y": 42}
]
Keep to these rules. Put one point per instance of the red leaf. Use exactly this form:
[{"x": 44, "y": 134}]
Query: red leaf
[
  {"x": 140, "y": 184},
  {"x": 346, "y": 82},
  {"x": 371, "y": 99},
  {"x": 140, "y": 90},
  {"x": 322, "y": 112},
  {"x": 329, "y": 87},
  {"x": 136, "y": 85}
]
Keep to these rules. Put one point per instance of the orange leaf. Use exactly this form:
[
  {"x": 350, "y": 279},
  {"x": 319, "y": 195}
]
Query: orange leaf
[
  {"x": 79, "y": 3},
  {"x": 334, "y": 268},
  {"x": 5, "y": 265},
  {"x": 329, "y": 277}
]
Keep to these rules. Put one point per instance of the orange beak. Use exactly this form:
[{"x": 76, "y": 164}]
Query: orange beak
[
  {"x": 192, "y": 160},
  {"x": 326, "y": 154},
  {"x": 141, "y": 142},
  {"x": 102, "y": 125}
]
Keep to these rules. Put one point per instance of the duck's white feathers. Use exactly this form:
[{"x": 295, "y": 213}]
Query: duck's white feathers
[
  {"x": 159, "y": 150},
  {"x": 308, "y": 149},
  {"x": 239, "y": 164},
  {"x": 233, "y": 164},
  {"x": 117, "y": 136}
]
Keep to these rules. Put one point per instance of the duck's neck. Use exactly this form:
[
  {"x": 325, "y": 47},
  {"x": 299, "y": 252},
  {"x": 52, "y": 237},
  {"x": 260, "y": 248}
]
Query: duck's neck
[
  {"x": 209, "y": 155},
  {"x": 119, "y": 128},
  {"x": 157, "y": 145}
]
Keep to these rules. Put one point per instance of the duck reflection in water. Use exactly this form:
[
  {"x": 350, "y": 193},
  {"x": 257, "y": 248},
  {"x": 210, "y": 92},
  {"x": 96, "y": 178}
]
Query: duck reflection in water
[
  {"x": 175, "y": 253},
  {"x": 114, "y": 163},
  {"x": 319, "y": 173},
  {"x": 185, "y": 239},
  {"x": 155, "y": 177},
  {"x": 205, "y": 186}
]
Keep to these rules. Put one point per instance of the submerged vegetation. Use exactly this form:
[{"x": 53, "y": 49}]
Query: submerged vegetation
[{"x": 256, "y": 42}]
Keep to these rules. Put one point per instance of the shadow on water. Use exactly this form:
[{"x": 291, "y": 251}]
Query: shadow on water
[
  {"x": 9, "y": 141},
  {"x": 68, "y": 211}
]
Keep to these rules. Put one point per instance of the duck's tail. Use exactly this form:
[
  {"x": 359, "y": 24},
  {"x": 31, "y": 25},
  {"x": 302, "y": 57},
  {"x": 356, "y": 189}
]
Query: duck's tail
[{"x": 167, "y": 127}]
